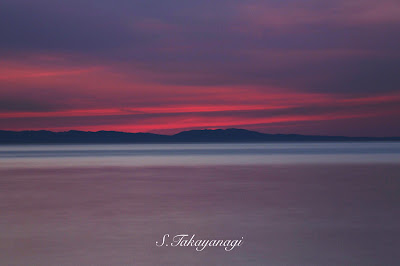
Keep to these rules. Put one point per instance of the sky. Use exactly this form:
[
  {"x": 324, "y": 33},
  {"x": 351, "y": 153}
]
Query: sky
[{"x": 164, "y": 66}]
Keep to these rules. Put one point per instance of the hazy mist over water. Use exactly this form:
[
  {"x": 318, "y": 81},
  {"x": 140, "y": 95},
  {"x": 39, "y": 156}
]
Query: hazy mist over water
[
  {"x": 293, "y": 203},
  {"x": 196, "y": 154}
]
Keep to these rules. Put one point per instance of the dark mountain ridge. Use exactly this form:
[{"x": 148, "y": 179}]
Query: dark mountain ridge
[{"x": 194, "y": 136}]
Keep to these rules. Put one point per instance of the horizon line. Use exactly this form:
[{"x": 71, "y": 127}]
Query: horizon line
[{"x": 203, "y": 129}]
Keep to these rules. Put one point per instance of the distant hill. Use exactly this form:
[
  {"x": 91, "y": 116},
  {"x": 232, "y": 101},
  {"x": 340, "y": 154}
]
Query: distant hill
[{"x": 200, "y": 136}]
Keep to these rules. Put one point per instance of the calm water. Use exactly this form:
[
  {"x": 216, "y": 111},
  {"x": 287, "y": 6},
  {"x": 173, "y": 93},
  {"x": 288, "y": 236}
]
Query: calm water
[{"x": 294, "y": 204}]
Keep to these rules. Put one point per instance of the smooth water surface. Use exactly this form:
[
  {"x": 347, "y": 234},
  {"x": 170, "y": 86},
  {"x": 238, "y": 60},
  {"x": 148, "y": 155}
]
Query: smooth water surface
[{"x": 294, "y": 204}]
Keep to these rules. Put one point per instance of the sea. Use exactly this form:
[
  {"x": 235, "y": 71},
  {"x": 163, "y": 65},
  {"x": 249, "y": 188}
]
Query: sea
[{"x": 289, "y": 203}]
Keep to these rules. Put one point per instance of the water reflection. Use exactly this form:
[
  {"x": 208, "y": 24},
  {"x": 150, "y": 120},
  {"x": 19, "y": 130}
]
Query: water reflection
[{"x": 59, "y": 213}]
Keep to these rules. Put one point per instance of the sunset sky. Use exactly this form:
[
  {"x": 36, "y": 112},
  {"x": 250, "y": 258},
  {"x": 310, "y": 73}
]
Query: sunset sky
[{"x": 163, "y": 66}]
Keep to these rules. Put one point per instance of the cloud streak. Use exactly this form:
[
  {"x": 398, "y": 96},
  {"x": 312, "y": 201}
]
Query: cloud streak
[{"x": 169, "y": 65}]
